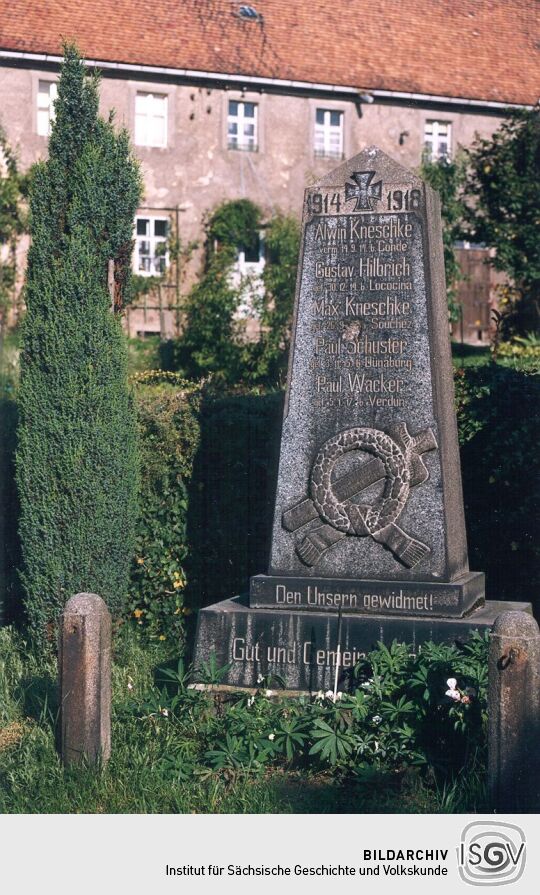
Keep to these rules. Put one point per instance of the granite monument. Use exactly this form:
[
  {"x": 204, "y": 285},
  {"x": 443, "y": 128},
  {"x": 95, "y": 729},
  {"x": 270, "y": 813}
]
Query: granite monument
[{"x": 369, "y": 522}]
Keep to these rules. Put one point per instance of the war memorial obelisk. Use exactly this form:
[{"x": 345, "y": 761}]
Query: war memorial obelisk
[{"x": 369, "y": 521}]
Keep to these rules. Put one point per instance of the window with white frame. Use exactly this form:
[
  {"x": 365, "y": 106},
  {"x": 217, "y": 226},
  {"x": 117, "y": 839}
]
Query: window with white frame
[
  {"x": 437, "y": 139},
  {"x": 151, "y": 119},
  {"x": 242, "y": 125},
  {"x": 246, "y": 275},
  {"x": 47, "y": 93},
  {"x": 151, "y": 256},
  {"x": 329, "y": 133}
]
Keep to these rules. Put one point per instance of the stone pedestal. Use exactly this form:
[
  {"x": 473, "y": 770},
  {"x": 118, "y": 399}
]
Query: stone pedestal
[
  {"x": 301, "y": 647},
  {"x": 84, "y": 662},
  {"x": 514, "y": 714}
]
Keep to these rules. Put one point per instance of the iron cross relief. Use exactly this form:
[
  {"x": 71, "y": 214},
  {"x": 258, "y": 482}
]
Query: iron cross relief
[{"x": 365, "y": 192}]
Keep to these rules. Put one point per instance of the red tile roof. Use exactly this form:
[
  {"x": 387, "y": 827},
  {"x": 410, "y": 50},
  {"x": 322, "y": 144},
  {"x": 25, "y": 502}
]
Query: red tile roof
[{"x": 475, "y": 49}]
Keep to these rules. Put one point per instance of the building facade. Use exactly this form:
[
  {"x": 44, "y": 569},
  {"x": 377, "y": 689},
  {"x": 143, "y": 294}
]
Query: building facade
[{"x": 227, "y": 101}]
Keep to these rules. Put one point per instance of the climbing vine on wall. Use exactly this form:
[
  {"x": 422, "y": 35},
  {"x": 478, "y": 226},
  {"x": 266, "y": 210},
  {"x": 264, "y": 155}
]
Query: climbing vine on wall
[{"x": 215, "y": 338}]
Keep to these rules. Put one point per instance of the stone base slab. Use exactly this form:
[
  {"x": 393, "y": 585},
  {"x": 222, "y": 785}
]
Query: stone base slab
[
  {"x": 453, "y": 599},
  {"x": 301, "y": 647}
]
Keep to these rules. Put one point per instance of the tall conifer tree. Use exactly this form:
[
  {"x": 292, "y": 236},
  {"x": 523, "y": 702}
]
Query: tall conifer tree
[{"x": 77, "y": 470}]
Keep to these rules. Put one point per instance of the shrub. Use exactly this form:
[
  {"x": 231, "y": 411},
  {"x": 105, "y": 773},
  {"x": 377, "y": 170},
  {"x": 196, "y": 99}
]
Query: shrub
[
  {"x": 9, "y": 542},
  {"x": 167, "y": 409},
  {"x": 211, "y": 342},
  {"x": 525, "y": 347},
  {"x": 447, "y": 177},
  {"x": 503, "y": 195},
  {"x": 267, "y": 358},
  {"x": 12, "y": 225},
  {"x": 234, "y": 224},
  {"x": 77, "y": 465},
  {"x": 497, "y": 409},
  {"x": 179, "y": 750}
]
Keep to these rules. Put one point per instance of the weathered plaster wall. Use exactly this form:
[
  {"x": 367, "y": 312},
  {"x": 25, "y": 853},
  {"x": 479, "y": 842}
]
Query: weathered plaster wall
[{"x": 196, "y": 171}]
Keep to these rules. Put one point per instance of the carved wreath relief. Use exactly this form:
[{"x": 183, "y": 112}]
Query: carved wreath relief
[{"x": 396, "y": 458}]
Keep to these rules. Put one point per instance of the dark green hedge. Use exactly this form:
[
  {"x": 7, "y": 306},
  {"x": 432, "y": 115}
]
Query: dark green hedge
[
  {"x": 169, "y": 432},
  {"x": 9, "y": 508},
  {"x": 232, "y": 490},
  {"x": 499, "y": 426},
  {"x": 208, "y": 480},
  {"x": 231, "y": 495}
]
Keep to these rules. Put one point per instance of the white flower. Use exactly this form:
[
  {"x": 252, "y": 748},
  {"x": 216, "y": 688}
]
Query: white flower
[
  {"x": 130, "y": 684},
  {"x": 452, "y": 691},
  {"x": 366, "y": 685},
  {"x": 329, "y": 694},
  {"x": 251, "y": 700},
  {"x": 320, "y": 696},
  {"x": 453, "y": 694},
  {"x": 376, "y": 746},
  {"x": 260, "y": 678},
  {"x": 376, "y": 719},
  {"x": 268, "y": 693},
  {"x": 165, "y": 713},
  {"x": 339, "y": 696},
  {"x": 271, "y": 736}
]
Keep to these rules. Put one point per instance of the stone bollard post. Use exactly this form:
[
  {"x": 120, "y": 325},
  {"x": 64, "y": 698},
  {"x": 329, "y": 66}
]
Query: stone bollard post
[
  {"x": 514, "y": 714},
  {"x": 84, "y": 664}
]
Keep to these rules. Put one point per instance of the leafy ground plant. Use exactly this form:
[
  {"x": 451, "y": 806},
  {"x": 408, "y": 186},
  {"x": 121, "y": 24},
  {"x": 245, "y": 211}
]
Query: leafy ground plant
[
  {"x": 397, "y": 743},
  {"x": 425, "y": 711}
]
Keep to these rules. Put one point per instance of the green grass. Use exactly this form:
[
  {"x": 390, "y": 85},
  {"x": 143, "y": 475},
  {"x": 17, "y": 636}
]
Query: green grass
[
  {"x": 136, "y": 780},
  {"x": 467, "y": 356},
  {"x": 470, "y": 355}
]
